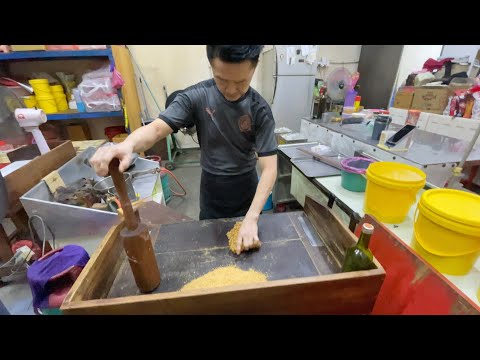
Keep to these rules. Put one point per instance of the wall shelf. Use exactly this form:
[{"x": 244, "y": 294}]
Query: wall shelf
[
  {"x": 31, "y": 55},
  {"x": 72, "y": 115},
  {"x": 37, "y": 57}
]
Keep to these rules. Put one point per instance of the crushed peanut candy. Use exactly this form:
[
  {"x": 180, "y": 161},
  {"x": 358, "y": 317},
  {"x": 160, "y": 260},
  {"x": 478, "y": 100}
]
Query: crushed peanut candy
[
  {"x": 225, "y": 276},
  {"x": 232, "y": 236}
]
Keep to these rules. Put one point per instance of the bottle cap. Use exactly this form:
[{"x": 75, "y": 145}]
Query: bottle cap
[{"x": 367, "y": 228}]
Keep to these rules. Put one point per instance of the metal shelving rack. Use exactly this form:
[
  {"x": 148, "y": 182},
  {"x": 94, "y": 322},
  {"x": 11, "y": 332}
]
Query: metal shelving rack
[
  {"x": 66, "y": 54},
  {"x": 52, "y": 54}
]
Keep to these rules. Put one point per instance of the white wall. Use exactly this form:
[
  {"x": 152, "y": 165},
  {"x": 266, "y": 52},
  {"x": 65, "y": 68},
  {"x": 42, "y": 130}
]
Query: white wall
[
  {"x": 176, "y": 67},
  {"x": 339, "y": 56},
  {"x": 460, "y": 51},
  {"x": 413, "y": 58},
  {"x": 179, "y": 66},
  {"x": 173, "y": 66}
]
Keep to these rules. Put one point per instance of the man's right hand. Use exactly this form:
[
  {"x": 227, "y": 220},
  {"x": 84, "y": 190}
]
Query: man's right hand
[
  {"x": 101, "y": 159},
  {"x": 140, "y": 140}
]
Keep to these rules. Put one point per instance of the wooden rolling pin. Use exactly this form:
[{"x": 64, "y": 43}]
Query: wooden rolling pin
[{"x": 136, "y": 239}]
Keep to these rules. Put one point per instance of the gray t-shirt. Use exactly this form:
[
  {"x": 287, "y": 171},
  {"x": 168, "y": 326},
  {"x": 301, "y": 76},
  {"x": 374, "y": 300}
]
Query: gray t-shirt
[{"x": 229, "y": 132}]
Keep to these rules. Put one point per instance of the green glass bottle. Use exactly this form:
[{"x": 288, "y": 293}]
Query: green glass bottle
[{"x": 359, "y": 257}]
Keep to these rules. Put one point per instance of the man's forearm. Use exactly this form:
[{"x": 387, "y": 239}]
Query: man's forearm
[
  {"x": 265, "y": 186},
  {"x": 145, "y": 137}
]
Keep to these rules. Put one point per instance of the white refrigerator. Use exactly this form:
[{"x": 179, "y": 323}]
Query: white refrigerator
[{"x": 294, "y": 71}]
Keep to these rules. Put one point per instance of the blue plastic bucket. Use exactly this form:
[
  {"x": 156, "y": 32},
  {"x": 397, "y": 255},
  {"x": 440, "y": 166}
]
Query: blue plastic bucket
[{"x": 269, "y": 203}]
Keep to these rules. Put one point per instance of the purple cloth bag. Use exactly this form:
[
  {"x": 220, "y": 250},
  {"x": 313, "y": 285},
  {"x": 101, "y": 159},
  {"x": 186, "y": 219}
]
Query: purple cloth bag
[{"x": 50, "y": 265}]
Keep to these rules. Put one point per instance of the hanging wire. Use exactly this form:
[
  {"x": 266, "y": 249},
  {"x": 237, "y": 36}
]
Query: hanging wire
[{"x": 44, "y": 232}]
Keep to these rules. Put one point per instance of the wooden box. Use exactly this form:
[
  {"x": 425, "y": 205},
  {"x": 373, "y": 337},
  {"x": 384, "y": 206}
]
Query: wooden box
[{"x": 303, "y": 271}]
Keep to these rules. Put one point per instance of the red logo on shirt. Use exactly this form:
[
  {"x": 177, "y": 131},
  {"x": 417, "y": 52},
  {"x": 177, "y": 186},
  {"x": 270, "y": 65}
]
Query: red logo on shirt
[
  {"x": 210, "y": 111},
  {"x": 245, "y": 123}
]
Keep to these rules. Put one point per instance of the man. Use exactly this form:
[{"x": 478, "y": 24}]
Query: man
[{"x": 234, "y": 124}]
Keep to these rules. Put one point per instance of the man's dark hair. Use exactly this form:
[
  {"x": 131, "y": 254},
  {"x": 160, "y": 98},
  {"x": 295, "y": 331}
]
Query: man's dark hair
[{"x": 234, "y": 53}]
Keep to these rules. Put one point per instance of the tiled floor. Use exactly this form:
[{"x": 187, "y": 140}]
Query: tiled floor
[{"x": 17, "y": 298}]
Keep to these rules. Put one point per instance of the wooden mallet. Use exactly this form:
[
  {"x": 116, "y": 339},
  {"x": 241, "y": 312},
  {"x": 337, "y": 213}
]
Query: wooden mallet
[{"x": 136, "y": 238}]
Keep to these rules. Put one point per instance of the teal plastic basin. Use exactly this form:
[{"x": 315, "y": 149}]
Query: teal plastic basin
[{"x": 353, "y": 182}]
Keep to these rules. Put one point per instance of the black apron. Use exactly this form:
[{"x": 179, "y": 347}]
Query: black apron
[{"x": 226, "y": 196}]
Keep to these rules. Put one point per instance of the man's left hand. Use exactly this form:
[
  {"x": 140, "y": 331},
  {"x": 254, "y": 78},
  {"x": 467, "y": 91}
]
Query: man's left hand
[{"x": 248, "y": 235}]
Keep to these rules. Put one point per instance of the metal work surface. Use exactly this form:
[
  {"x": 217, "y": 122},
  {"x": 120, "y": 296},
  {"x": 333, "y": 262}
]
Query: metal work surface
[
  {"x": 292, "y": 152},
  {"x": 290, "y": 249},
  {"x": 74, "y": 224},
  {"x": 314, "y": 168},
  {"x": 426, "y": 148},
  {"x": 305, "y": 162},
  {"x": 350, "y": 142}
]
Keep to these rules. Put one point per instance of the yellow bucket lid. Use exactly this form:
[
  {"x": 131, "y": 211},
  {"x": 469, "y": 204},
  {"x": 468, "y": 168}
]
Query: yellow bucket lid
[
  {"x": 456, "y": 205},
  {"x": 396, "y": 174},
  {"x": 38, "y": 81}
]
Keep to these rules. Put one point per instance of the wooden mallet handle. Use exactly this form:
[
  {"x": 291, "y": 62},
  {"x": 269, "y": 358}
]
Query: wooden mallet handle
[{"x": 118, "y": 180}]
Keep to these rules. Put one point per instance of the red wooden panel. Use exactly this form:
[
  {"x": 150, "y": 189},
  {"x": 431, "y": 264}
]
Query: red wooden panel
[{"x": 411, "y": 285}]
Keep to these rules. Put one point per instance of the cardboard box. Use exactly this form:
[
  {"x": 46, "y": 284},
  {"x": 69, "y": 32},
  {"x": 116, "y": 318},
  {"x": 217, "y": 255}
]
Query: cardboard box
[
  {"x": 78, "y": 132},
  {"x": 404, "y": 97},
  {"x": 28, "y": 47},
  {"x": 432, "y": 99}
]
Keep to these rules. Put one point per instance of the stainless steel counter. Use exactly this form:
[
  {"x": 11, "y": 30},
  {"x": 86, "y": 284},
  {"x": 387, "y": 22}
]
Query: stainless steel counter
[
  {"x": 426, "y": 148},
  {"x": 304, "y": 162},
  {"x": 434, "y": 154}
]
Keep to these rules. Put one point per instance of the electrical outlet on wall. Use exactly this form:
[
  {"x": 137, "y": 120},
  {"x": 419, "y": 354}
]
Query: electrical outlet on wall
[{"x": 323, "y": 61}]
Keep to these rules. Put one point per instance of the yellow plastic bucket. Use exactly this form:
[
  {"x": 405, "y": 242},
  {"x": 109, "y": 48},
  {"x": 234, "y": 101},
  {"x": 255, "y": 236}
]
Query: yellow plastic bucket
[
  {"x": 447, "y": 222},
  {"x": 29, "y": 101},
  {"x": 56, "y": 89},
  {"x": 61, "y": 101},
  {"x": 47, "y": 103},
  {"x": 40, "y": 87},
  {"x": 391, "y": 190},
  {"x": 450, "y": 265}
]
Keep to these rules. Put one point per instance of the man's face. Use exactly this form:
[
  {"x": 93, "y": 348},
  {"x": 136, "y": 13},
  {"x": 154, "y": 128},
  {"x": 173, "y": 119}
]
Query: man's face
[{"x": 232, "y": 79}]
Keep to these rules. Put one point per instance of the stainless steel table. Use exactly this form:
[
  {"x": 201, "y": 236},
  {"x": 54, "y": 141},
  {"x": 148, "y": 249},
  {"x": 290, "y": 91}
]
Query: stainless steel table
[
  {"x": 435, "y": 154},
  {"x": 426, "y": 148}
]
